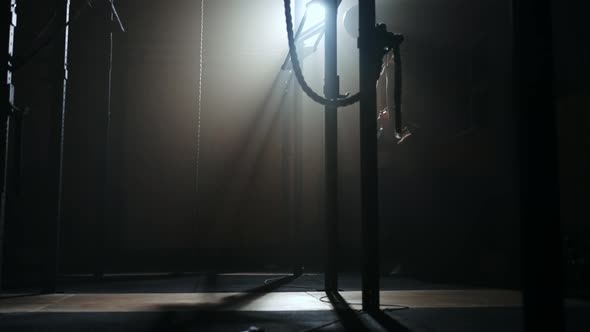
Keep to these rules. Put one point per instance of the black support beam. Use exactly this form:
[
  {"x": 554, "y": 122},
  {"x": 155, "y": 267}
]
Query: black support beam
[
  {"x": 537, "y": 136},
  {"x": 368, "y": 147},
  {"x": 57, "y": 111},
  {"x": 331, "y": 90},
  {"x": 297, "y": 163},
  {"x": 110, "y": 25},
  {"x": 7, "y": 35}
]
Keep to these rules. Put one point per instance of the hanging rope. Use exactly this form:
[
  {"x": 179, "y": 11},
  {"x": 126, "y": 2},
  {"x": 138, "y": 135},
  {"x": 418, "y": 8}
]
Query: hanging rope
[
  {"x": 200, "y": 97},
  {"x": 299, "y": 74}
]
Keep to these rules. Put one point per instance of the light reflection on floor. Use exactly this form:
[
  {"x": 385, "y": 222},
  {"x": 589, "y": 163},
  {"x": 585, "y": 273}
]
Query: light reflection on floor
[{"x": 283, "y": 301}]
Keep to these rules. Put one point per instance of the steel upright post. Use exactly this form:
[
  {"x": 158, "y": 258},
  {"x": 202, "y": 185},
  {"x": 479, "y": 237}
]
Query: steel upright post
[
  {"x": 105, "y": 197},
  {"x": 368, "y": 147},
  {"x": 538, "y": 157},
  {"x": 297, "y": 163},
  {"x": 331, "y": 90},
  {"x": 56, "y": 148},
  {"x": 7, "y": 97}
]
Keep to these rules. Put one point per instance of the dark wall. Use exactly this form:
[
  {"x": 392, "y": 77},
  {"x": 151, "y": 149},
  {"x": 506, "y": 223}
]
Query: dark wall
[
  {"x": 27, "y": 217},
  {"x": 449, "y": 193},
  {"x": 155, "y": 218}
]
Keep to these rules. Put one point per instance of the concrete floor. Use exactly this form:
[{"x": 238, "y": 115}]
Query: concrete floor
[
  {"x": 283, "y": 301},
  {"x": 418, "y": 310}
]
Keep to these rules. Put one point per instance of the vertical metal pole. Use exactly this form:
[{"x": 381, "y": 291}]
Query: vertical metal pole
[
  {"x": 537, "y": 138},
  {"x": 368, "y": 147},
  {"x": 103, "y": 220},
  {"x": 286, "y": 166},
  {"x": 297, "y": 161},
  {"x": 56, "y": 148},
  {"x": 331, "y": 90},
  {"x": 7, "y": 97},
  {"x": 198, "y": 201}
]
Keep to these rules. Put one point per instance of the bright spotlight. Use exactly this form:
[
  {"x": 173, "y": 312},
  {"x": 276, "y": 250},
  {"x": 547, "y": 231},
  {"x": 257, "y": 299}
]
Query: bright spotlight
[{"x": 316, "y": 12}]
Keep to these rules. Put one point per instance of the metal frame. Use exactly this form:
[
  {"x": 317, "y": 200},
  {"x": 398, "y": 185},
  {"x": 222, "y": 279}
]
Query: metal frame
[
  {"x": 368, "y": 126},
  {"x": 539, "y": 179},
  {"x": 297, "y": 163},
  {"x": 368, "y": 146},
  {"x": 7, "y": 97},
  {"x": 112, "y": 23},
  {"x": 293, "y": 145},
  {"x": 104, "y": 207},
  {"x": 331, "y": 91},
  {"x": 56, "y": 149}
]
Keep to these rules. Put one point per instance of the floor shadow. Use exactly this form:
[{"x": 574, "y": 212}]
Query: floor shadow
[
  {"x": 348, "y": 318},
  {"x": 65, "y": 279},
  {"x": 18, "y": 296},
  {"x": 185, "y": 317},
  {"x": 129, "y": 283},
  {"x": 387, "y": 322}
]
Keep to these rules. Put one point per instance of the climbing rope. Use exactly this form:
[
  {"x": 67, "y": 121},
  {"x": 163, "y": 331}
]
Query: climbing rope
[{"x": 299, "y": 74}]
